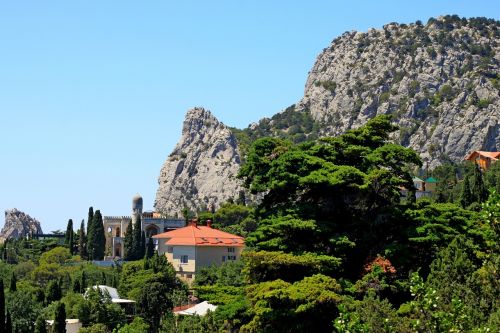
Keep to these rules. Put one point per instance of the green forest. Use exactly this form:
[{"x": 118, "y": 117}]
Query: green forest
[{"x": 331, "y": 246}]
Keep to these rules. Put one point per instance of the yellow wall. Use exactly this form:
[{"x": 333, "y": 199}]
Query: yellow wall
[{"x": 198, "y": 257}]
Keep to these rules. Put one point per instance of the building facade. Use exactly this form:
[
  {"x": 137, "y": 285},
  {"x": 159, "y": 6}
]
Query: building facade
[
  {"x": 190, "y": 248},
  {"x": 152, "y": 223},
  {"x": 483, "y": 158}
]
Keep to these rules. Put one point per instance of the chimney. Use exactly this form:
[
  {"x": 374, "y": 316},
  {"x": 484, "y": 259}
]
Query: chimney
[
  {"x": 194, "y": 222},
  {"x": 209, "y": 223}
]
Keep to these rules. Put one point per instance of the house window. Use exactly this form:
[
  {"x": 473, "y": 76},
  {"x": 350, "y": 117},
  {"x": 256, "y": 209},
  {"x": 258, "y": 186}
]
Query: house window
[
  {"x": 184, "y": 259},
  {"x": 189, "y": 276},
  {"x": 170, "y": 249},
  {"x": 223, "y": 258},
  {"x": 231, "y": 249},
  {"x": 231, "y": 257}
]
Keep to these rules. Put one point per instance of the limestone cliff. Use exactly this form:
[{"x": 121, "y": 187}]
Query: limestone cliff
[
  {"x": 440, "y": 82},
  {"x": 18, "y": 224},
  {"x": 201, "y": 171}
]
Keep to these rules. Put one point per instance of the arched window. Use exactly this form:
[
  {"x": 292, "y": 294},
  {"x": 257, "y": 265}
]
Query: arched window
[{"x": 117, "y": 231}]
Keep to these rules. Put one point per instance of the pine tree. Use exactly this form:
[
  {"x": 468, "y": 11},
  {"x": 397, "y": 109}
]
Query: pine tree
[
  {"x": 150, "y": 249},
  {"x": 40, "y": 325},
  {"x": 136, "y": 239},
  {"x": 465, "y": 195},
  {"x": 2, "y": 306},
  {"x": 8, "y": 323},
  {"x": 90, "y": 234},
  {"x": 13, "y": 283},
  {"x": 69, "y": 238},
  {"x": 478, "y": 189},
  {"x": 82, "y": 239},
  {"x": 128, "y": 243},
  {"x": 60, "y": 319}
]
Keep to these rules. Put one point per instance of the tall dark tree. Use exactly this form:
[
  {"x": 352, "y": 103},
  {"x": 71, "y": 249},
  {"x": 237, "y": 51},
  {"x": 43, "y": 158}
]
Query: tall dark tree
[
  {"x": 478, "y": 188},
  {"x": 54, "y": 292},
  {"x": 69, "y": 237},
  {"x": 13, "y": 282},
  {"x": 150, "y": 248},
  {"x": 83, "y": 282},
  {"x": 128, "y": 243},
  {"x": 2, "y": 306},
  {"x": 136, "y": 238},
  {"x": 40, "y": 325},
  {"x": 142, "y": 251},
  {"x": 82, "y": 241},
  {"x": 90, "y": 233},
  {"x": 96, "y": 238},
  {"x": 466, "y": 194},
  {"x": 60, "y": 319},
  {"x": 8, "y": 323}
]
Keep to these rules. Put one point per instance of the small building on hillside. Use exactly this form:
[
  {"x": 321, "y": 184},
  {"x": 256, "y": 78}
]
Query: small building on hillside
[
  {"x": 190, "y": 248},
  {"x": 483, "y": 158}
]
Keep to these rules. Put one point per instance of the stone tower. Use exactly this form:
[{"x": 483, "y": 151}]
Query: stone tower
[{"x": 136, "y": 208}]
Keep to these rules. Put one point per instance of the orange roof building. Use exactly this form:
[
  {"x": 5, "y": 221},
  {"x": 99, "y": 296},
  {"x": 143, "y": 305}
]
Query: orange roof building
[
  {"x": 190, "y": 248},
  {"x": 483, "y": 158}
]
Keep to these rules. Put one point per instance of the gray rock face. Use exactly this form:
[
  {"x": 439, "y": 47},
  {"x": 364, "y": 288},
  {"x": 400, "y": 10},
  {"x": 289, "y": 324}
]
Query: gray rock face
[
  {"x": 201, "y": 171},
  {"x": 18, "y": 224},
  {"x": 439, "y": 81}
]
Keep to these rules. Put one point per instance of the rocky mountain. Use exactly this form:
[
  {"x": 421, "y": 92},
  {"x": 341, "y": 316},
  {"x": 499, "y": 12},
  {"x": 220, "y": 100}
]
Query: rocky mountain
[
  {"x": 201, "y": 171},
  {"x": 439, "y": 81},
  {"x": 18, "y": 224}
]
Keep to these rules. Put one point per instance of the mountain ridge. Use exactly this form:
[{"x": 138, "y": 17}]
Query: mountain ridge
[{"x": 439, "y": 82}]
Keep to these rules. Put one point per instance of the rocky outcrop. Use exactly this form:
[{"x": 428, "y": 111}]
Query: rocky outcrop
[
  {"x": 18, "y": 224},
  {"x": 440, "y": 81},
  {"x": 201, "y": 171}
]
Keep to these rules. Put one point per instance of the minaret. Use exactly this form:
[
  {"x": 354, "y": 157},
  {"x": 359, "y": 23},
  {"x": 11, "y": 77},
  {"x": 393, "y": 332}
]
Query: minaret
[{"x": 136, "y": 209}]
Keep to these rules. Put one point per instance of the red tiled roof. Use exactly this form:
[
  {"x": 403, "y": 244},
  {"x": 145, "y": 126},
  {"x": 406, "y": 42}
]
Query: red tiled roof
[
  {"x": 494, "y": 155},
  {"x": 201, "y": 236}
]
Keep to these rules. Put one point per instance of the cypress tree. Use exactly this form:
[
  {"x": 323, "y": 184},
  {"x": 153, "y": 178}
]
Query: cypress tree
[
  {"x": 60, "y": 319},
  {"x": 54, "y": 292},
  {"x": 69, "y": 237},
  {"x": 2, "y": 306},
  {"x": 465, "y": 195},
  {"x": 128, "y": 243},
  {"x": 77, "y": 288},
  {"x": 40, "y": 325},
  {"x": 90, "y": 233},
  {"x": 83, "y": 282},
  {"x": 8, "y": 323},
  {"x": 82, "y": 249},
  {"x": 143, "y": 245},
  {"x": 136, "y": 239},
  {"x": 478, "y": 189},
  {"x": 13, "y": 283},
  {"x": 150, "y": 249},
  {"x": 99, "y": 238}
]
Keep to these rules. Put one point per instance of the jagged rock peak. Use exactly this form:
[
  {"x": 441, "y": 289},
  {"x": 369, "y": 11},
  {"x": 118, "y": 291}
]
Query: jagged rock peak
[
  {"x": 201, "y": 171},
  {"x": 439, "y": 81},
  {"x": 18, "y": 224}
]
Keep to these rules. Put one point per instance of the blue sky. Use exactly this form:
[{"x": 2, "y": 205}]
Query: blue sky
[{"x": 93, "y": 93}]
